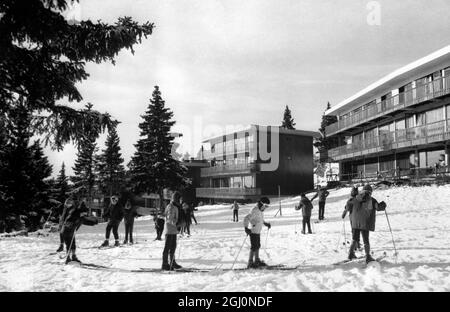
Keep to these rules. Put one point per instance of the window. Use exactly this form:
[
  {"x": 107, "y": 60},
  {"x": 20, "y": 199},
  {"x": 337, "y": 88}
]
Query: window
[
  {"x": 434, "y": 115},
  {"x": 248, "y": 181}
]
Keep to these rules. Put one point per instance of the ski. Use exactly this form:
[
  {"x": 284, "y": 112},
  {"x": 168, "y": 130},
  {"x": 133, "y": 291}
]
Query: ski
[
  {"x": 182, "y": 270},
  {"x": 349, "y": 260},
  {"x": 384, "y": 255}
]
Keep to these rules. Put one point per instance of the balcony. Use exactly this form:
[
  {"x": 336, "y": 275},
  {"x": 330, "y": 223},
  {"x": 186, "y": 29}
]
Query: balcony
[
  {"x": 225, "y": 170},
  {"x": 421, "y": 135},
  {"x": 229, "y": 193},
  {"x": 429, "y": 91}
]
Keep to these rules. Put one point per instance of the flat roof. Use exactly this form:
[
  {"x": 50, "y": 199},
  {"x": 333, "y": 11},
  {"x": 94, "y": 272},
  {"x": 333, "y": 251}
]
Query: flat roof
[
  {"x": 394, "y": 78},
  {"x": 313, "y": 134}
]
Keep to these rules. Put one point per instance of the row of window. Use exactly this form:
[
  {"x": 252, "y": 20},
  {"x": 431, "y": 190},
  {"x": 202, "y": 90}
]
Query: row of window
[
  {"x": 231, "y": 145},
  {"x": 419, "y": 88},
  {"x": 234, "y": 182}
]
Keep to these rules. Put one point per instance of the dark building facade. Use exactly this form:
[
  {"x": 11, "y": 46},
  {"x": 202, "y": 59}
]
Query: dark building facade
[
  {"x": 247, "y": 164},
  {"x": 397, "y": 127}
]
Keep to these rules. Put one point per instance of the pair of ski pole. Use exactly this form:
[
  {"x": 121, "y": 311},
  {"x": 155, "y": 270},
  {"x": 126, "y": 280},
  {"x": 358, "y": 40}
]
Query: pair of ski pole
[{"x": 242, "y": 246}]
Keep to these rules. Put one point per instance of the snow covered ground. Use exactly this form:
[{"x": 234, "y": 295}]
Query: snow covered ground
[{"x": 420, "y": 218}]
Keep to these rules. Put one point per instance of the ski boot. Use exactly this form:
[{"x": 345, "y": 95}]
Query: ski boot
[
  {"x": 105, "y": 243},
  {"x": 303, "y": 231},
  {"x": 61, "y": 248},
  {"x": 260, "y": 263},
  {"x": 166, "y": 267},
  {"x": 74, "y": 258},
  {"x": 175, "y": 265},
  {"x": 369, "y": 258},
  {"x": 125, "y": 242},
  {"x": 251, "y": 265},
  {"x": 117, "y": 244},
  {"x": 131, "y": 242}
]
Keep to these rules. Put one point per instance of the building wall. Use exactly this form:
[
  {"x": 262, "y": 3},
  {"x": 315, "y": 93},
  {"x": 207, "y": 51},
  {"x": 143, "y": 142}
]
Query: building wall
[{"x": 295, "y": 171}]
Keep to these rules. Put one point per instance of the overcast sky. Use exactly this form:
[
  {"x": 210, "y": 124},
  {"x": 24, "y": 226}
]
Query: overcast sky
[{"x": 225, "y": 63}]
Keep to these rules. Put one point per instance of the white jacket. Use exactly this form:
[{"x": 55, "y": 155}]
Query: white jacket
[{"x": 256, "y": 219}]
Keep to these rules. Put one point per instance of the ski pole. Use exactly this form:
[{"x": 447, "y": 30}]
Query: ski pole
[
  {"x": 392, "y": 236},
  {"x": 239, "y": 252},
  {"x": 265, "y": 243},
  {"x": 339, "y": 241}
]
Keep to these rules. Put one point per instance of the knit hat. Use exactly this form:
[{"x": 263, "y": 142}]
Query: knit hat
[
  {"x": 264, "y": 200},
  {"x": 354, "y": 191},
  {"x": 368, "y": 188}
]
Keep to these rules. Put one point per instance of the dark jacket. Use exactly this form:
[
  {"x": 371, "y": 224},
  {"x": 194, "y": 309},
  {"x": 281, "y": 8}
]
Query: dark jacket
[
  {"x": 364, "y": 212},
  {"x": 129, "y": 214},
  {"x": 71, "y": 216},
  {"x": 115, "y": 212},
  {"x": 306, "y": 207},
  {"x": 322, "y": 194},
  {"x": 348, "y": 207}
]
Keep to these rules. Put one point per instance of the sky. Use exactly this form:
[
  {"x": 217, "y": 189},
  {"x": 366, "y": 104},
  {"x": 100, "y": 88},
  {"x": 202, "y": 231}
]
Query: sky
[{"x": 225, "y": 64}]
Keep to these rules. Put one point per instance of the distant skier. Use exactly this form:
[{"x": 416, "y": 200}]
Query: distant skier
[
  {"x": 159, "y": 224},
  {"x": 192, "y": 209},
  {"x": 171, "y": 230},
  {"x": 115, "y": 214},
  {"x": 363, "y": 220},
  {"x": 235, "y": 208},
  {"x": 305, "y": 206},
  {"x": 322, "y": 193},
  {"x": 349, "y": 209},
  {"x": 72, "y": 217},
  {"x": 129, "y": 214},
  {"x": 187, "y": 218},
  {"x": 256, "y": 219}
]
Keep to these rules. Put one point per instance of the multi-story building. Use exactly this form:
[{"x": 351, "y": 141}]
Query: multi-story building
[
  {"x": 398, "y": 126},
  {"x": 241, "y": 169}
]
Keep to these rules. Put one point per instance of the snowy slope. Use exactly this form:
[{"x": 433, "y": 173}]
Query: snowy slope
[{"x": 420, "y": 218}]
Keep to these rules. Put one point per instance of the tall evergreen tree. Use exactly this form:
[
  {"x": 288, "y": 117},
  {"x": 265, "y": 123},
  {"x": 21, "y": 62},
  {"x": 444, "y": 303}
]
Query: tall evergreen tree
[
  {"x": 85, "y": 164},
  {"x": 62, "y": 185},
  {"x": 43, "y": 57},
  {"x": 110, "y": 165},
  {"x": 323, "y": 144},
  {"x": 288, "y": 121},
  {"x": 152, "y": 167}
]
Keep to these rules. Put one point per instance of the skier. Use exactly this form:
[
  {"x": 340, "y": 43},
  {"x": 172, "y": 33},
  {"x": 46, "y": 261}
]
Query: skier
[
  {"x": 72, "y": 216},
  {"x": 159, "y": 224},
  {"x": 349, "y": 208},
  {"x": 187, "y": 218},
  {"x": 322, "y": 193},
  {"x": 129, "y": 215},
  {"x": 171, "y": 230},
  {"x": 115, "y": 215},
  {"x": 235, "y": 208},
  {"x": 192, "y": 213},
  {"x": 306, "y": 207},
  {"x": 256, "y": 219},
  {"x": 363, "y": 220}
]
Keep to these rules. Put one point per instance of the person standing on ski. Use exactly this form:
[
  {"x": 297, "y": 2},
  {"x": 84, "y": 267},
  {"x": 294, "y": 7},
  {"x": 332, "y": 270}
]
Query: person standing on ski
[
  {"x": 235, "y": 208},
  {"x": 322, "y": 193},
  {"x": 72, "y": 217},
  {"x": 256, "y": 219},
  {"x": 363, "y": 220},
  {"x": 187, "y": 218},
  {"x": 171, "y": 230},
  {"x": 115, "y": 214},
  {"x": 349, "y": 208},
  {"x": 129, "y": 214},
  {"x": 306, "y": 207},
  {"x": 192, "y": 209}
]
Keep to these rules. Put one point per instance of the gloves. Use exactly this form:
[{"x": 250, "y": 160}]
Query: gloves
[
  {"x": 382, "y": 206},
  {"x": 268, "y": 225},
  {"x": 248, "y": 231},
  {"x": 344, "y": 214}
]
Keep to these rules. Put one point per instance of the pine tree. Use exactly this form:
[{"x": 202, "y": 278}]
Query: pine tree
[
  {"x": 62, "y": 185},
  {"x": 152, "y": 167},
  {"x": 323, "y": 144},
  {"x": 110, "y": 165},
  {"x": 85, "y": 164},
  {"x": 43, "y": 58},
  {"x": 288, "y": 121}
]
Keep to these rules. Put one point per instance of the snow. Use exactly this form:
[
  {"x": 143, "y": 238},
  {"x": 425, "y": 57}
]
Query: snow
[{"x": 419, "y": 217}]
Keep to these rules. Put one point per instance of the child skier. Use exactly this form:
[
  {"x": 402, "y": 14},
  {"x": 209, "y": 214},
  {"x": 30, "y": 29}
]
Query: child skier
[
  {"x": 129, "y": 215},
  {"x": 322, "y": 193},
  {"x": 115, "y": 215},
  {"x": 349, "y": 208},
  {"x": 363, "y": 220},
  {"x": 306, "y": 207},
  {"x": 72, "y": 219},
  {"x": 235, "y": 208},
  {"x": 159, "y": 224},
  {"x": 256, "y": 219}
]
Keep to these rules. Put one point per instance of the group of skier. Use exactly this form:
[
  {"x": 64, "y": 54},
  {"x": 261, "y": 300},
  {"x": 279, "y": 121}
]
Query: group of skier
[{"x": 361, "y": 208}]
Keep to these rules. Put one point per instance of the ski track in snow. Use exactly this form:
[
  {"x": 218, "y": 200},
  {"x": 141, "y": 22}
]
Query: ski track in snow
[{"x": 419, "y": 217}]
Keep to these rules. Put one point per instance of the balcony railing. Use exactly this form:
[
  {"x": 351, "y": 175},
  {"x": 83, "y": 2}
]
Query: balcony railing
[
  {"x": 227, "y": 192},
  {"x": 435, "y": 132},
  {"x": 228, "y": 169},
  {"x": 426, "y": 92}
]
